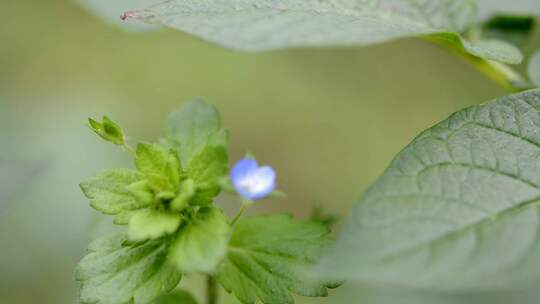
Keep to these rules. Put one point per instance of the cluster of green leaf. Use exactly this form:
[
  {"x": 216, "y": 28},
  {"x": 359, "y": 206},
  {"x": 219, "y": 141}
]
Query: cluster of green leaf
[
  {"x": 262, "y": 25},
  {"x": 174, "y": 228}
]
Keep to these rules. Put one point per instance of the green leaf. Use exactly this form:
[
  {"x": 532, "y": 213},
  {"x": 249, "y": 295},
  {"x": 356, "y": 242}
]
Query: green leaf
[
  {"x": 258, "y": 25},
  {"x": 206, "y": 169},
  {"x": 156, "y": 160},
  {"x": 109, "y": 191},
  {"x": 123, "y": 217},
  {"x": 266, "y": 258},
  {"x": 496, "y": 50},
  {"x": 202, "y": 243},
  {"x": 191, "y": 127},
  {"x": 108, "y": 130},
  {"x": 534, "y": 69},
  {"x": 513, "y": 29},
  {"x": 185, "y": 194},
  {"x": 176, "y": 297},
  {"x": 152, "y": 224},
  {"x": 444, "y": 14},
  {"x": 115, "y": 274},
  {"x": 490, "y": 8},
  {"x": 142, "y": 191},
  {"x": 457, "y": 209}
]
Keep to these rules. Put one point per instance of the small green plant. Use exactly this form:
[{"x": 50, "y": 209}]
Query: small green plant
[
  {"x": 456, "y": 213},
  {"x": 175, "y": 229}
]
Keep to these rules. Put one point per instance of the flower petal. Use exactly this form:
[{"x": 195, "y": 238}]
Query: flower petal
[
  {"x": 265, "y": 182},
  {"x": 252, "y": 182}
]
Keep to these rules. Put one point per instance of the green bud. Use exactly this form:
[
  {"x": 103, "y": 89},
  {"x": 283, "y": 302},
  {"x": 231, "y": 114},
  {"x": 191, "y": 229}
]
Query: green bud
[{"x": 108, "y": 130}]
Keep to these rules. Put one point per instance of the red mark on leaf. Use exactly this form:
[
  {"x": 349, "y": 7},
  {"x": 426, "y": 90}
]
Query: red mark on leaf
[{"x": 127, "y": 15}]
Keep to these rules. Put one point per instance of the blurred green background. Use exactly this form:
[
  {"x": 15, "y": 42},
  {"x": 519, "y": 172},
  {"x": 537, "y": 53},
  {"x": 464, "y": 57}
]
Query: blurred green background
[{"x": 329, "y": 121}]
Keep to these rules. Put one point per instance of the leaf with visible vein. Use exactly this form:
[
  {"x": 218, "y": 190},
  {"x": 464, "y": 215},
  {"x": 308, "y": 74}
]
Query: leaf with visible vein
[
  {"x": 266, "y": 256},
  {"x": 262, "y": 25},
  {"x": 109, "y": 191},
  {"x": 115, "y": 274},
  {"x": 457, "y": 209}
]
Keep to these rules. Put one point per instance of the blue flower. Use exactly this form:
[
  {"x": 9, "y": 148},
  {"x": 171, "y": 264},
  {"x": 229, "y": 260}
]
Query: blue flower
[{"x": 253, "y": 182}]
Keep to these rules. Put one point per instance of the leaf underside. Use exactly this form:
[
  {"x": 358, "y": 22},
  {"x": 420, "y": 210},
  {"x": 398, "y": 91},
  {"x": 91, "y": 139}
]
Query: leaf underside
[
  {"x": 457, "y": 209},
  {"x": 262, "y": 25}
]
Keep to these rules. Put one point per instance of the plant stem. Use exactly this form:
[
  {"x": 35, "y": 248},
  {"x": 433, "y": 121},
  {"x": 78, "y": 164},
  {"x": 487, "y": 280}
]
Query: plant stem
[
  {"x": 501, "y": 73},
  {"x": 211, "y": 290},
  {"x": 128, "y": 148},
  {"x": 239, "y": 214}
]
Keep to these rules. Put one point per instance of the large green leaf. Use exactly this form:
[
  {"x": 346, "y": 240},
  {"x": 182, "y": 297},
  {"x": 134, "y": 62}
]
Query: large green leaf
[
  {"x": 265, "y": 256},
  {"x": 202, "y": 243},
  {"x": 457, "y": 209},
  {"x": 259, "y": 25},
  {"x": 115, "y": 274}
]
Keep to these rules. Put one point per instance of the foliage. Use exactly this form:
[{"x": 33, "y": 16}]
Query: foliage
[
  {"x": 266, "y": 256},
  {"x": 457, "y": 209},
  {"x": 174, "y": 227},
  {"x": 257, "y": 25}
]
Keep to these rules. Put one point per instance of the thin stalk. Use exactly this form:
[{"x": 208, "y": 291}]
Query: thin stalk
[
  {"x": 128, "y": 148},
  {"x": 239, "y": 214},
  {"x": 501, "y": 73},
  {"x": 211, "y": 290}
]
